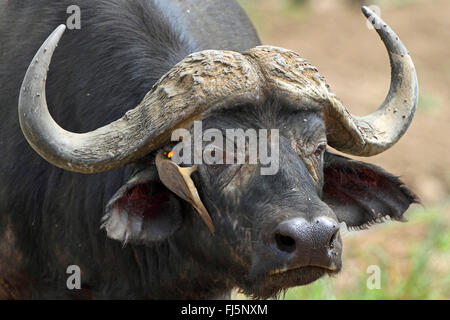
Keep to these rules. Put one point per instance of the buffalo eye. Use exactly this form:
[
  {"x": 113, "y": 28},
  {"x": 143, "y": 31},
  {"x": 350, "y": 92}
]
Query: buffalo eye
[{"x": 318, "y": 153}]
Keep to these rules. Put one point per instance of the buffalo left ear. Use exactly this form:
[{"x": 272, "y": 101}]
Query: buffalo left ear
[
  {"x": 361, "y": 194},
  {"x": 178, "y": 180},
  {"x": 143, "y": 210}
]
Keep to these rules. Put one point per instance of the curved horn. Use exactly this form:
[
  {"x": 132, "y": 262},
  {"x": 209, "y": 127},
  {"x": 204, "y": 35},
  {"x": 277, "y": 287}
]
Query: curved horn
[
  {"x": 378, "y": 131},
  {"x": 201, "y": 83}
]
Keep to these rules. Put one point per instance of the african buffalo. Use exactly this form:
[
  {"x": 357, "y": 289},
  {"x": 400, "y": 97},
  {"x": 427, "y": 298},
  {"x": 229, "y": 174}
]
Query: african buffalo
[{"x": 103, "y": 194}]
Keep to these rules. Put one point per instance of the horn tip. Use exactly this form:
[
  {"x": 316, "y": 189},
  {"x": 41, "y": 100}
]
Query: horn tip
[
  {"x": 366, "y": 11},
  {"x": 59, "y": 31},
  {"x": 388, "y": 36}
]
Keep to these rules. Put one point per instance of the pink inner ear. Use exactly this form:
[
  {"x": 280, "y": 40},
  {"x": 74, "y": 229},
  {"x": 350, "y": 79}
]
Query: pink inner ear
[
  {"x": 345, "y": 184},
  {"x": 352, "y": 178},
  {"x": 139, "y": 201},
  {"x": 368, "y": 177}
]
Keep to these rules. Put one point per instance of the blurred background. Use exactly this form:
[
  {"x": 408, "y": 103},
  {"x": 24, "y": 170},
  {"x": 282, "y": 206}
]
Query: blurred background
[{"x": 414, "y": 257}]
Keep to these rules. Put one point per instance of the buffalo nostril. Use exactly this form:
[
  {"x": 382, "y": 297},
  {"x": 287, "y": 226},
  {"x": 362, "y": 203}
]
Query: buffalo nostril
[
  {"x": 333, "y": 239},
  {"x": 285, "y": 243}
]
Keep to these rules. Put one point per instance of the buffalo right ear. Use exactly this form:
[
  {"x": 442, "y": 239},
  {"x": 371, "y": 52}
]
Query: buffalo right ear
[
  {"x": 361, "y": 194},
  {"x": 178, "y": 180}
]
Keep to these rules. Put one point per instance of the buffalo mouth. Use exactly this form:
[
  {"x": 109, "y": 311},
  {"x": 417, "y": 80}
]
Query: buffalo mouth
[
  {"x": 269, "y": 275},
  {"x": 279, "y": 271},
  {"x": 137, "y": 213},
  {"x": 276, "y": 281},
  {"x": 305, "y": 272}
]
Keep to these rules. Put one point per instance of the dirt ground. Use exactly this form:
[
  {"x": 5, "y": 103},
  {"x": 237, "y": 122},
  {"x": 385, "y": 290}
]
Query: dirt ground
[{"x": 333, "y": 36}]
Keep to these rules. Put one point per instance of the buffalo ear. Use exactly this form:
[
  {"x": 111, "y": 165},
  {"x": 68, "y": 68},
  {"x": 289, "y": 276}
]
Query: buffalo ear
[
  {"x": 142, "y": 211},
  {"x": 362, "y": 194},
  {"x": 178, "y": 180}
]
